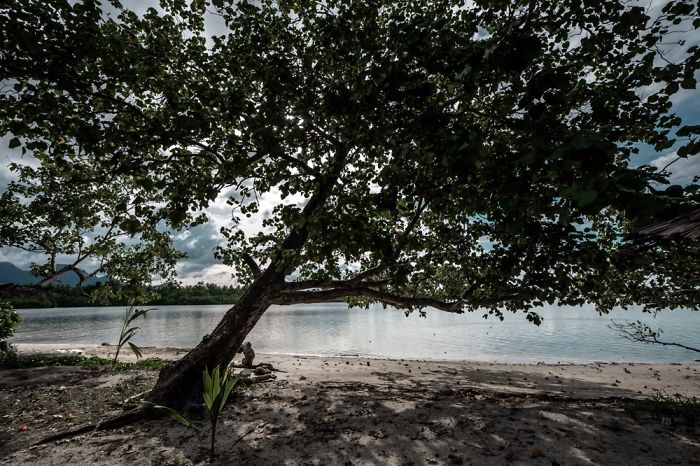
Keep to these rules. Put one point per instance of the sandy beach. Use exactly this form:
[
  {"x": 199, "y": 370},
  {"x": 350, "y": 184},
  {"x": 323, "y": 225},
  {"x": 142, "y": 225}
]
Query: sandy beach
[{"x": 323, "y": 410}]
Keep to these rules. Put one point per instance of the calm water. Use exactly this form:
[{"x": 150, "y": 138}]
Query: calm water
[{"x": 567, "y": 334}]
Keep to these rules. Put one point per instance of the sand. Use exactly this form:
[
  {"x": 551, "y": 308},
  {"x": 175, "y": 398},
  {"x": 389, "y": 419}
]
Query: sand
[{"x": 355, "y": 411}]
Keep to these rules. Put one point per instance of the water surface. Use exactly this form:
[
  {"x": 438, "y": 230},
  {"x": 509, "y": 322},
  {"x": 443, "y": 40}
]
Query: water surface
[{"x": 567, "y": 334}]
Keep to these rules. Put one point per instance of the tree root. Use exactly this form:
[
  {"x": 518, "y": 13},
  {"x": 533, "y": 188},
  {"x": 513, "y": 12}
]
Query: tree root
[
  {"x": 262, "y": 364},
  {"x": 145, "y": 411},
  {"x": 121, "y": 420},
  {"x": 257, "y": 379}
]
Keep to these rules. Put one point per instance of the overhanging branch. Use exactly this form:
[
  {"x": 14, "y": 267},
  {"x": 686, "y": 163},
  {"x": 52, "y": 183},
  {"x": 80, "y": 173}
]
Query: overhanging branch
[
  {"x": 299, "y": 297},
  {"x": 406, "y": 302},
  {"x": 82, "y": 275},
  {"x": 329, "y": 284},
  {"x": 400, "y": 244}
]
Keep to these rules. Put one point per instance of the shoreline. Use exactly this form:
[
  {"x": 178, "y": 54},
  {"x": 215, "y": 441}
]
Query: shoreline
[
  {"x": 171, "y": 352},
  {"x": 588, "y": 380}
]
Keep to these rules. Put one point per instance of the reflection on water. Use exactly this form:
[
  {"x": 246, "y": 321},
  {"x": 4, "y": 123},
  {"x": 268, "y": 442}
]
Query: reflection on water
[{"x": 567, "y": 334}]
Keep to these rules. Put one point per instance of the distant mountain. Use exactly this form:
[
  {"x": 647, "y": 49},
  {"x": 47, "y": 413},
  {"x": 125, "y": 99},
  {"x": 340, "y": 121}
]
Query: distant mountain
[{"x": 10, "y": 273}]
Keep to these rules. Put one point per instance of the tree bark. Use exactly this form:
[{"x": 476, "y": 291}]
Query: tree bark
[
  {"x": 82, "y": 275},
  {"x": 181, "y": 380}
]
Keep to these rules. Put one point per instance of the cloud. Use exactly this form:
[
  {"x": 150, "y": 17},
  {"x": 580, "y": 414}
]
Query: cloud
[
  {"x": 217, "y": 273},
  {"x": 5, "y": 177},
  {"x": 214, "y": 24},
  {"x": 681, "y": 171},
  {"x": 198, "y": 243},
  {"x": 9, "y": 156},
  {"x": 19, "y": 257}
]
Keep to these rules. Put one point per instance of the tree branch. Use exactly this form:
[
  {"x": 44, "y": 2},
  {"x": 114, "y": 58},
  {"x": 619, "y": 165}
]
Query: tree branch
[
  {"x": 299, "y": 297},
  {"x": 252, "y": 265},
  {"x": 299, "y": 164},
  {"x": 400, "y": 244},
  {"x": 638, "y": 331},
  {"x": 392, "y": 299},
  {"x": 298, "y": 236},
  {"x": 82, "y": 275},
  {"x": 328, "y": 284},
  {"x": 403, "y": 239}
]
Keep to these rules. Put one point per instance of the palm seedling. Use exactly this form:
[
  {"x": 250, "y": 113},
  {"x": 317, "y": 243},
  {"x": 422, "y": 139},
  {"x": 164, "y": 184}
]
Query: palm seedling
[
  {"x": 127, "y": 332},
  {"x": 216, "y": 390}
]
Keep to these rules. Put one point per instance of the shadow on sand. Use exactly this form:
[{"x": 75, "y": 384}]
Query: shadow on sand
[{"x": 455, "y": 418}]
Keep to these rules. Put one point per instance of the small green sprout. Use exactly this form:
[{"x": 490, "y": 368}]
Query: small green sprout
[
  {"x": 127, "y": 332},
  {"x": 217, "y": 388}
]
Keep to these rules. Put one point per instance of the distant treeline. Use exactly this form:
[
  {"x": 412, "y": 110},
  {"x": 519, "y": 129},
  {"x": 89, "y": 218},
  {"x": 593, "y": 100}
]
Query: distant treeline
[{"x": 23, "y": 297}]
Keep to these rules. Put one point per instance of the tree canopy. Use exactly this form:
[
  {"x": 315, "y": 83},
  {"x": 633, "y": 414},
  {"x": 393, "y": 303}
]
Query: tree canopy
[{"x": 452, "y": 154}]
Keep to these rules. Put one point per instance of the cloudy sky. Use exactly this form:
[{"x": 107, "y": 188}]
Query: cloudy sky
[{"x": 199, "y": 242}]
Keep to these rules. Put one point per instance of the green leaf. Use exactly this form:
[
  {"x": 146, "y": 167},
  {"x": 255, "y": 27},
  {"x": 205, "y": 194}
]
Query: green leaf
[
  {"x": 584, "y": 140},
  {"x": 689, "y": 83},
  {"x": 131, "y": 226},
  {"x": 208, "y": 400},
  {"x": 688, "y": 130},
  {"x": 584, "y": 198},
  {"x": 138, "y": 313},
  {"x": 136, "y": 350},
  {"x": 126, "y": 336},
  {"x": 176, "y": 415},
  {"x": 208, "y": 384},
  {"x": 216, "y": 383},
  {"x": 230, "y": 384}
]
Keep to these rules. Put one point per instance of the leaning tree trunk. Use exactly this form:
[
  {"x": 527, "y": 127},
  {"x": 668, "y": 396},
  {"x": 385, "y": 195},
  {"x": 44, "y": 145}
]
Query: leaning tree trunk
[{"x": 179, "y": 381}]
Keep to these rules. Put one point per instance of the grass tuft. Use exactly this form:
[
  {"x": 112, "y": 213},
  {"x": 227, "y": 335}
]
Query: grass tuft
[
  {"x": 12, "y": 360},
  {"x": 661, "y": 403}
]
